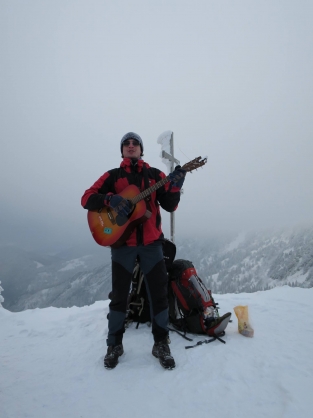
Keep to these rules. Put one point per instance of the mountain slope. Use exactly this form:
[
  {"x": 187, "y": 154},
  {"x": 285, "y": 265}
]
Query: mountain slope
[
  {"x": 244, "y": 263},
  {"x": 255, "y": 261},
  {"x": 34, "y": 280}
]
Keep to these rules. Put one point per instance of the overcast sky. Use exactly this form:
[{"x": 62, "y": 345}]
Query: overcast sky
[{"x": 232, "y": 79}]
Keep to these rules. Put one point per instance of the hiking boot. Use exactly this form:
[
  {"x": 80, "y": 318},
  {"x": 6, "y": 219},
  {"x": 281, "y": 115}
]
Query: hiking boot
[
  {"x": 112, "y": 355},
  {"x": 161, "y": 350}
]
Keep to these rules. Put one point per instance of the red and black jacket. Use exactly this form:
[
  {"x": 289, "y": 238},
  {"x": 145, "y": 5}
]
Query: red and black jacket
[{"x": 116, "y": 180}]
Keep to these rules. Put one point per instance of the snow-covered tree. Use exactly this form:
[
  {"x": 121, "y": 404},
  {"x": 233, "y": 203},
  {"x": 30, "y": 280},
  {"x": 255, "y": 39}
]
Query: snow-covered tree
[{"x": 1, "y": 297}]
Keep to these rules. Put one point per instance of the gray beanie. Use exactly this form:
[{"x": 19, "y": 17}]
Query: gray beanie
[{"x": 132, "y": 135}]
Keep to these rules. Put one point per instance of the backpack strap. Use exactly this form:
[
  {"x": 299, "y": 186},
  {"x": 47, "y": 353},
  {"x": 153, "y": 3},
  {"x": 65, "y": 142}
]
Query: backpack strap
[
  {"x": 216, "y": 337},
  {"x": 180, "y": 333}
]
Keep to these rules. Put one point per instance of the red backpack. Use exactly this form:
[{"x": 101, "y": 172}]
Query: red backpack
[{"x": 191, "y": 304}]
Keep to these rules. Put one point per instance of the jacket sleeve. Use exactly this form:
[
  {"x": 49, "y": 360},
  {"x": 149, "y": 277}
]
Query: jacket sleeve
[
  {"x": 93, "y": 198},
  {"x": 167, "y": 196}
]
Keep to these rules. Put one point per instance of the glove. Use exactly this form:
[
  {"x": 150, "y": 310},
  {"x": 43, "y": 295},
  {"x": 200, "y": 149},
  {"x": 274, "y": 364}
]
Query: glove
[
  {"x": 121, "y": 206},
  {"x": 177, "y": 177}
]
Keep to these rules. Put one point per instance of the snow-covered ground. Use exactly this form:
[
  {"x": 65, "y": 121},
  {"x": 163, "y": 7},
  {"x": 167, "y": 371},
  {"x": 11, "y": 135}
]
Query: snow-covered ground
[{"x": 51, "y": 365}]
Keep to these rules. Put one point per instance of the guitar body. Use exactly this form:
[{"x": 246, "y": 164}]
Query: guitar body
[{"x": 110, "y": 229}]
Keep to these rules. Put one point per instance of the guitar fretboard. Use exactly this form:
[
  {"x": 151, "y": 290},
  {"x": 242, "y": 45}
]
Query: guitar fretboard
[{"x": 150, "y": 190}]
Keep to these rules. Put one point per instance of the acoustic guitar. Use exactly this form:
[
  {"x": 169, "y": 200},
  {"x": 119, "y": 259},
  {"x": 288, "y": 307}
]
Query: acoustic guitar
[{"x": 110, "y": 229}]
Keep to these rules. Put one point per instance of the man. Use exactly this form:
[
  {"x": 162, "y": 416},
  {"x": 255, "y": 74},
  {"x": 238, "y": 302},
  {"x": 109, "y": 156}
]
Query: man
[{"x": 144, "y": 244}]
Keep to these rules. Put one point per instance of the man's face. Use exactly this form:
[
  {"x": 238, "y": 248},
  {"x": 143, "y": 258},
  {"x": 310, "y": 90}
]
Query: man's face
[{"x": 131, "y": 149}]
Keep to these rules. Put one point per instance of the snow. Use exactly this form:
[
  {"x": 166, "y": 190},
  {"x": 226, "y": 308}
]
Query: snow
[
  {"x": 297, "y": 278},
  {"x": 236, "y": 242},
  {"x": 1, "y": 297},
  {"x": 73, "y": 264},
  {"x": 51, "y": 364},
  {"x": 164, "y": 140}
]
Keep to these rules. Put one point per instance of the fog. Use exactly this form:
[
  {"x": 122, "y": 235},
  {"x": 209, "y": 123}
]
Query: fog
[{"x": 231, "y": 79}]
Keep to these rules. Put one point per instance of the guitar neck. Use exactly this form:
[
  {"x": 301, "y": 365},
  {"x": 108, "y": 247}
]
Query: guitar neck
[
  {"x": 192, "y": 165},
  {"x": 150, "y": 190}
]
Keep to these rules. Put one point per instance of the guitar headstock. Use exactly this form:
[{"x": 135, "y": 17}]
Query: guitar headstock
[{"x": 194, "y": 164}]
